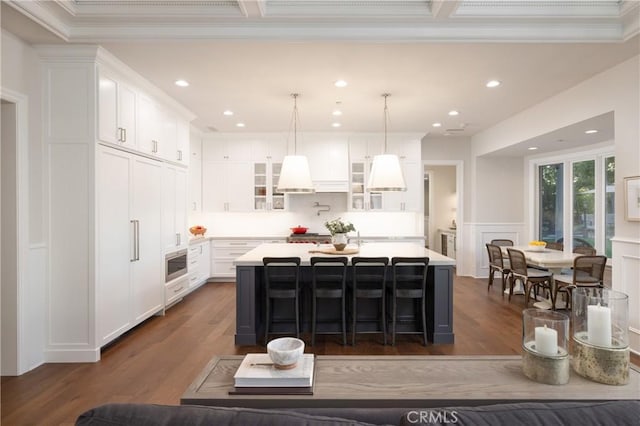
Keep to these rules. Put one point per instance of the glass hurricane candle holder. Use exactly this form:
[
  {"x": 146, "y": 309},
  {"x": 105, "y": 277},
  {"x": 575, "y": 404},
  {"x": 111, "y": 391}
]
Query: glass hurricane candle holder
[
  {"x": 601, "y": 335},
  {"x": 545, "y": 356}
]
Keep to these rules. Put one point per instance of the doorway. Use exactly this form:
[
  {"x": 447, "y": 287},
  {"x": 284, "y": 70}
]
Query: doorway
[{"x": 443, "y": 206}]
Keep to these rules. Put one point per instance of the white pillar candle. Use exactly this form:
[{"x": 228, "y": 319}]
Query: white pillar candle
[
  {"x": 546, "y": 340},
  {"x": 599, "y": 325}
]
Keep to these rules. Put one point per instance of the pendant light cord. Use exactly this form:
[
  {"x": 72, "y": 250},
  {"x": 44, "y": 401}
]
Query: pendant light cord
[
  {"x": 295, "y": 122},
  {"x": 386, "y": 116}
]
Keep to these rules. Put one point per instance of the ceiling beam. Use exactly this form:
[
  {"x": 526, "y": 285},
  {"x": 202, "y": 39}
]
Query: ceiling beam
[
  {"x": 443, "y": 9},
  {"x": 252, "y": 8}
]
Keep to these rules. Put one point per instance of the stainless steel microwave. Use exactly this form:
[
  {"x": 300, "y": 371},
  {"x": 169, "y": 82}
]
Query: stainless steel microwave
[{"x": 175, "y": 265}]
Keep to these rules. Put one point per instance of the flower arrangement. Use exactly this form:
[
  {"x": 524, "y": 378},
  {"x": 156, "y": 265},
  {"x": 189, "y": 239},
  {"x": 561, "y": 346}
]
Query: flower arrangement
[{"x": 337, "y": 226}]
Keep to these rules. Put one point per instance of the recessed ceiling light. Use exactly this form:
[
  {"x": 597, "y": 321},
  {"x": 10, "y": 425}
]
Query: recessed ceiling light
[
  {"x": 493, "y": 83},
  {"x": 453, "y": 112},
  {"x": 340, "y": 83},
  {"x": 336, "y": 124},
  {"x": 589, "y": 132},
  {"x": 532, "y": 148},
  {"x": 337, "y": 112},
  {"x": 182, "y": 83},
  {"x": 227, "y": 112},
  {"x": 239, "y": 124},
  {"x": 437, "y": 124}
]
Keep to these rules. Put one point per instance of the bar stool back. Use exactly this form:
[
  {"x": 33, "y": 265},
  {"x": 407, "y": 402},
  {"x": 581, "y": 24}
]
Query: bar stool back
[
  {"x": 369, "y": 276},
  {"x": 409, "y": 282},
  {"x": 328, "y": 281},
  {"x": 282, "y": 281}
]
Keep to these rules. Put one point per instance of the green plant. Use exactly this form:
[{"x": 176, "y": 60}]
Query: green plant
[{"x": 337, "y": 226}]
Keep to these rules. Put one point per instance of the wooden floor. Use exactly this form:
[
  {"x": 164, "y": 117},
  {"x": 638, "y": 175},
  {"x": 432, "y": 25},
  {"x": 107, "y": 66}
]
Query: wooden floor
[{"x": 155, "y": 362}]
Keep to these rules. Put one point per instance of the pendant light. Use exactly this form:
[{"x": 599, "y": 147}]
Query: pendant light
[
  {"x": 295, "y": 176},
  {"x": 386, "y": 173}
]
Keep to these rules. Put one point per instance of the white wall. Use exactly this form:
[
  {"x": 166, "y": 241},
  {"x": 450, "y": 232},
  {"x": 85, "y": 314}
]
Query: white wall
[
  {"x": 499, "y": 190},
  {"x": 22, "y": 79}
]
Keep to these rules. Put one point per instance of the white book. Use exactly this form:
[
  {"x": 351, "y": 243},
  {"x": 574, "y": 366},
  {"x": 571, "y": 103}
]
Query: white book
[{"x": 257, "y": 370}]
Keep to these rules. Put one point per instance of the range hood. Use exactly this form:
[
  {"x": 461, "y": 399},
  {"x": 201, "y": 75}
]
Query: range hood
[{"x": 331, "y": 185}]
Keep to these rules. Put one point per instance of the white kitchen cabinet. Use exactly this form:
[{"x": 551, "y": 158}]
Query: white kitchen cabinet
[
  {"x": 227, "y": 186},
  {"x": 148, "y": 129},
  {"x": 223, "y": 253},
  {"x": 411, "y": 199},
  {"x": 175, "y": 290},
  {"x": 130, "y": 262},
  {"x": 195, "y": 173},
  {"x": 182, "y": 142},
  {"x": 174, "y": 206},
  {"x": 268, "y": 155},
  {"x": 199, "y": 263},
  {"x": 116, "y": 111},
  {"x": 362, "y": 149},
  {"x": 448, "y": 243}
]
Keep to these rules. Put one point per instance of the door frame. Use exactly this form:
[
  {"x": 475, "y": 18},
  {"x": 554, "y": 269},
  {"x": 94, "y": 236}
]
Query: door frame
[
  {"x": 459, "y": 165},
  {"x": 22, "y": 219}
]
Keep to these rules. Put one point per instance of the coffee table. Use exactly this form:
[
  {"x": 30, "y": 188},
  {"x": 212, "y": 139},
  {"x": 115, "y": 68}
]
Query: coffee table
[{"x": 405, "y": 381}]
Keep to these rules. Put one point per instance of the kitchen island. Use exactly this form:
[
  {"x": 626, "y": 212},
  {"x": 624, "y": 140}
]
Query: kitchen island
[{"x": 250, "y": 284}]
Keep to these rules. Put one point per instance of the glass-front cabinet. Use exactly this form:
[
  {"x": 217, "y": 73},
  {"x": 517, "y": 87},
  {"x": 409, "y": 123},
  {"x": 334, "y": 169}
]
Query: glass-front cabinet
[
  {"x": 265, "y": 182},
  {"x": 361, "y": 198}
]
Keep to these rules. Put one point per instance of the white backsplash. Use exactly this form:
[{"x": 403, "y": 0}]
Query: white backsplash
[{"x": 302, "y": 211}]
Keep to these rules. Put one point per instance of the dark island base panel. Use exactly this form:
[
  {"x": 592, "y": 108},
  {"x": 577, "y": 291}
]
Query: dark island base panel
[{"x": 250, "y": 308}]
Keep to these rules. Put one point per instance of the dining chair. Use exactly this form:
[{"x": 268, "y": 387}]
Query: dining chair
[
  {"x": 409, "y": 282},
  {"x": 532, "y": 279},
  {"x": 369, "y": 283},
  {"x": 328, "y": 281},
  {"x": 588, "y": 271},
  {"x": 555, "y": 246},
  {"x": 502, "y": 243},
  {"x": 282, "y": 282},
  {"x": 584, "y": 250},
  {"x": 497, "y": 264}
]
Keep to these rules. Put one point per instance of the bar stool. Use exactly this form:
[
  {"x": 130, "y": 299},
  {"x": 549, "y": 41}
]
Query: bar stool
[
  {"x": 328, "y": 281},
  {"x": 369, "y": 275},
  {"x": 409, "y": 282},
  {"x": 281, "y": 281}
]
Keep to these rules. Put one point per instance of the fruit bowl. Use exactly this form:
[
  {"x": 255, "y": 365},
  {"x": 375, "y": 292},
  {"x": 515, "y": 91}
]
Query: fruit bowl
[
  {"x": 285, "y": 352},
  {"x": 299, "y": 229},
  {"x": 537, "y": 245},
  {"x": 198, "y": 230}
]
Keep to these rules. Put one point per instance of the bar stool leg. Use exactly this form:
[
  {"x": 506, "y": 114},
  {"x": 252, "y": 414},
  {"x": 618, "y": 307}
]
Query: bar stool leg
[
  {"x": 344, "y": 320},
  {"x": 297, "y": 316},
  {"x": 266, "y": 322},
  {"x": 313, "y": 320},
  {"x": 384, "y": 318},
  {"x": 424, "y": 319},
  {"x": 354, "y": 315},
  {"x": 393, "y": 322}
]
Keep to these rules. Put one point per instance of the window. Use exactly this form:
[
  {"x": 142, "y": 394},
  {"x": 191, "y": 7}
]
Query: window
[{"x": 576, "y": 201}]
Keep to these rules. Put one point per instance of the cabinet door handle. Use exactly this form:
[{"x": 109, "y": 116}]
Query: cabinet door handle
[
  {"x": 154, "y": 146},
  {"x": 124, "y": 134},
  {"x": 136, "y": 240},
  {"x": 179, "y": 289},
  {"x": 194, "y": 206},
  {"x": 177, "y": 238},
  {"x": 200, "y": 249},
  {"x": 179, "y": 155}
]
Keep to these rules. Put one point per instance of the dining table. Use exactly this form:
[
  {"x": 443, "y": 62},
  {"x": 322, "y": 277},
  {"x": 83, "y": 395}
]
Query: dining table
[{"x": 553, "y": 260}]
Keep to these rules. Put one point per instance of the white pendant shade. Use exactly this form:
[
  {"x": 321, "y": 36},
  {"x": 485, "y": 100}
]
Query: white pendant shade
[
  {"x": 386, "y": 174},
  {"x": 295, "y": 175}
]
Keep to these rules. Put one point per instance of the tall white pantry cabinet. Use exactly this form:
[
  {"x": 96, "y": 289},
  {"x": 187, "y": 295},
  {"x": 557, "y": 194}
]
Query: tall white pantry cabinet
[{"x": 104, "y": 204}]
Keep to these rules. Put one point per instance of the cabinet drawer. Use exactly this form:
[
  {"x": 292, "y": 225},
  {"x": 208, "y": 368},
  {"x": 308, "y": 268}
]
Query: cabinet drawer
[
  {"x": 224, "y": 268},
  {"x": 175, "y": 290},
  {"x": 224, "y": 252}
]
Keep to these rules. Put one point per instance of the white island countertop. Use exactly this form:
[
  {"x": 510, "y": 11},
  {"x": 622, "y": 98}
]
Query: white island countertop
[{"x": 254, "y": 257}]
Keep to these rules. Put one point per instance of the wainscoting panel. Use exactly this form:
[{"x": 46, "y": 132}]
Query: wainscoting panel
[
  {"x": 626, "y": 266},
  {"x": 484, "y": 233}
]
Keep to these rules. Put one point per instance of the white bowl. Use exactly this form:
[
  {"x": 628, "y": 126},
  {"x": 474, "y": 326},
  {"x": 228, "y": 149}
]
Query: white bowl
[
  {"x": 536, "y": 248},
  {"x": 285, "y": 351}
]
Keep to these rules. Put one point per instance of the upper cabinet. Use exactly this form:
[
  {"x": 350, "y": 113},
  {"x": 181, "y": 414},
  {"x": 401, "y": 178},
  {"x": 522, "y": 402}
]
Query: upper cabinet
[
  {"x": 362, "y": 150},
  {"x": 268, "y": 154},
  {"x": 130, "y": 118},
  {"x": 116, "y": 111}
]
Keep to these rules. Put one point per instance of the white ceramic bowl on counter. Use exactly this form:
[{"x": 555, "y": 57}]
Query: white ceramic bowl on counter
[{"x": 285, "y": 351}]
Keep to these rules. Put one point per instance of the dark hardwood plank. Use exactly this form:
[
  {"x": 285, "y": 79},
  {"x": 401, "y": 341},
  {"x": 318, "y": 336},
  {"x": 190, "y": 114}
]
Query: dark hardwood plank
[{"x": 156, "y": 361}]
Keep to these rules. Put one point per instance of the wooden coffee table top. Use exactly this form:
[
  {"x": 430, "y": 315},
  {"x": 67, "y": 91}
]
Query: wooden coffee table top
[{"x": 406, "y": 381}]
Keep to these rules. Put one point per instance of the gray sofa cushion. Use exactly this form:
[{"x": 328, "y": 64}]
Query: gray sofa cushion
[
  {"x": 614, "y": 413},
  {"x": 193, "y": 415}
]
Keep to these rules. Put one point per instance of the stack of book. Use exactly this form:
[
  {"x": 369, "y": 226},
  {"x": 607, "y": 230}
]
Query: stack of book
[{"x": 258, "y": 375}]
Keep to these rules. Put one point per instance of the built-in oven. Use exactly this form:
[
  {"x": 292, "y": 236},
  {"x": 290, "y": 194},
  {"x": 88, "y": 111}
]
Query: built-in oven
[{"x": 175, "y": 265}]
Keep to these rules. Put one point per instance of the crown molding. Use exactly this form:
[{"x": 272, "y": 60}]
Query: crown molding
[{"x": 96, "y": 21}]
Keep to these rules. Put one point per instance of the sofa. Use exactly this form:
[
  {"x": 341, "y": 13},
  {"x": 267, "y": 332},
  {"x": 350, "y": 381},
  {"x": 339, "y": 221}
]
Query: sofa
[{"x": 614, "y": 413}]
